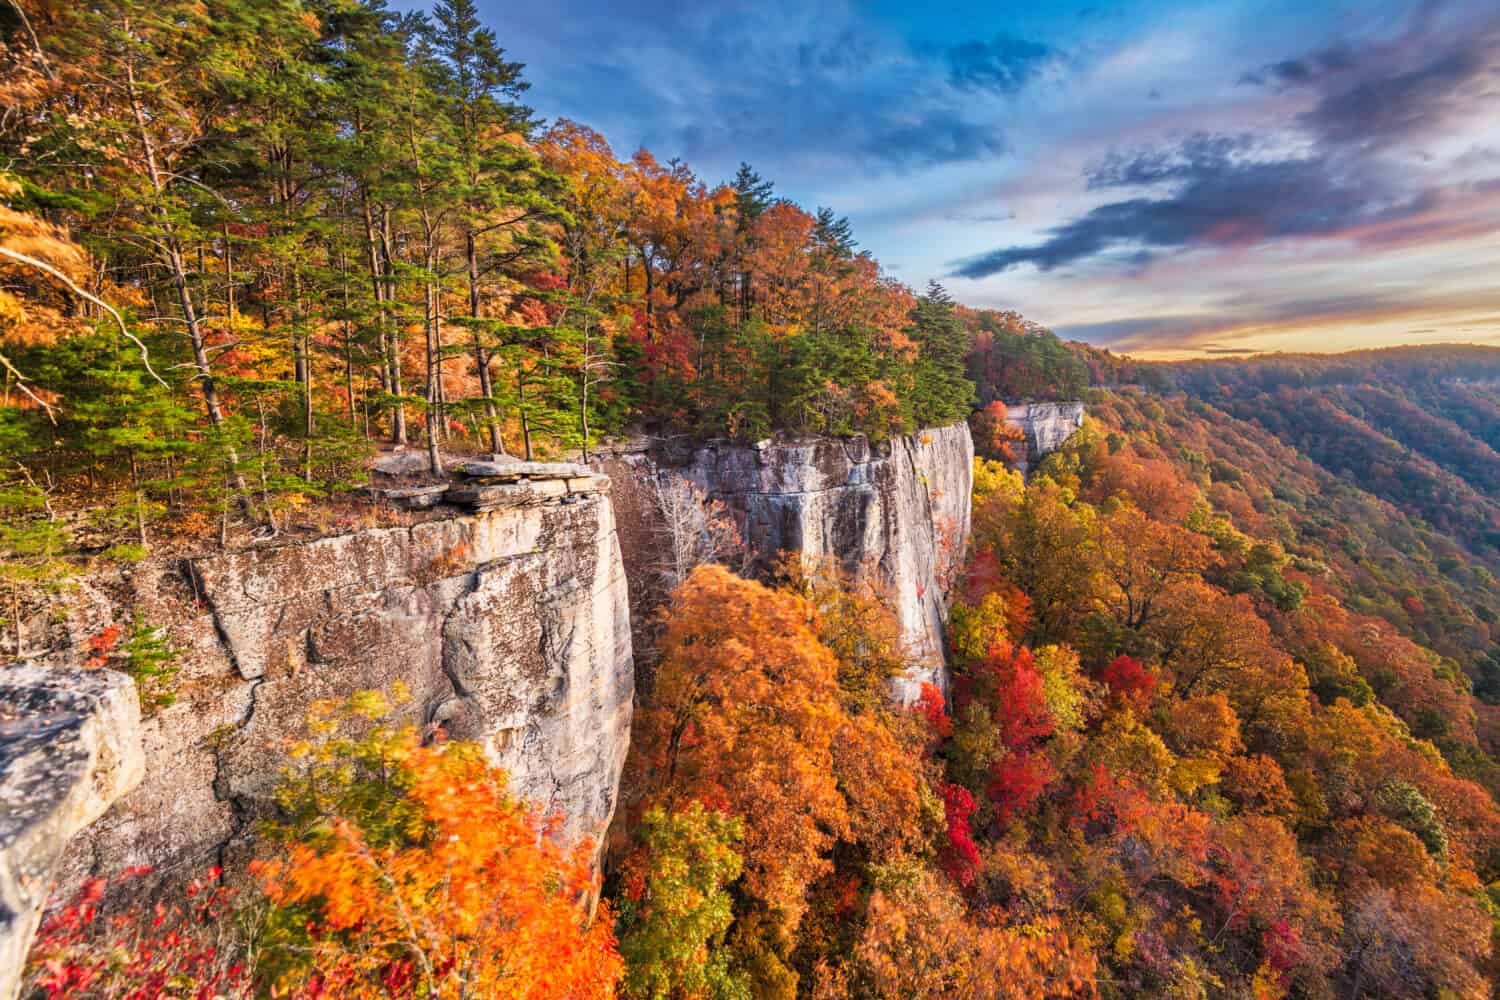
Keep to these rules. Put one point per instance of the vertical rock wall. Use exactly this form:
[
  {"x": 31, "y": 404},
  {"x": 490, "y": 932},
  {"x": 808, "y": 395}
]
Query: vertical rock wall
[
  {"x": 1047, "y": 427},
  {"x": 70, "y": 744},
  {"x": 510, "y": 628},
  {"x": 896, "y": 512}
]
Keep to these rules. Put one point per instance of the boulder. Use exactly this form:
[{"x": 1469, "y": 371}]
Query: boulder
[
  {"x": 410, "y": 497},
  {"x": 401, "y": 463},
  {"x": 70, "y": 745}
]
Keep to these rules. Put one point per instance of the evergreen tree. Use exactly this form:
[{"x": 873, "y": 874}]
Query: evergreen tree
[
  {"x": 833, "y": 234},
  {"x": 941, "y": 391},
  {"x": 753, "y": 194}
]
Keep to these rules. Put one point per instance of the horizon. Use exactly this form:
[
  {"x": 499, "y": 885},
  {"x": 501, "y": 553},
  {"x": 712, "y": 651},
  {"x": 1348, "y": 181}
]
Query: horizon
[{"x": 1195, "y": 180}]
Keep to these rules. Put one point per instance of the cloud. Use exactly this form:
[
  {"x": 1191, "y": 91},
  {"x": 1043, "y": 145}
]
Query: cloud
[
  {"x": 1412, "y": 85},
  {"x": 1252, "y": 322},
  {"x": 1004, "y": 64},
  {"x": 1225, "y": 192},
  {"x": 1344, "y": 166},
  {"x": 935, "y": 138},
  {"x": 798, "y": 92},
  {"x": 1305, "y": 69}
]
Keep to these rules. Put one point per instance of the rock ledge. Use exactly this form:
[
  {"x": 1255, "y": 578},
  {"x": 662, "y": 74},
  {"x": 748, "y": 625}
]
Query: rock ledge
[{"x": 70, "y": 744}]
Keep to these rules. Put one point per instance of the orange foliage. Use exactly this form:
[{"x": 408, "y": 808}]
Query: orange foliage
[
  {"x": 482, "y": 902},
  {"x": 743, "y": 717},
  {"x": 919, "y": 943}
]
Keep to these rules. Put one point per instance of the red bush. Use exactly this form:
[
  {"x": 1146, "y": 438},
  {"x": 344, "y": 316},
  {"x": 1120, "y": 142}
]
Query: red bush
[
  {"x": 1130, "y": 683},
  {"x": 139, "y": 954},
  {"x": 1018, "y": 780}
]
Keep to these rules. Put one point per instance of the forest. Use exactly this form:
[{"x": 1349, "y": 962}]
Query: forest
[
  {"x": 1225, "y": 701},
  {"x": 245, "y": 241}
]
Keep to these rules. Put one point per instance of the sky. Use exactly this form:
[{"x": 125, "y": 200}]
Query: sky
[{"x": 1166, "y": 179}]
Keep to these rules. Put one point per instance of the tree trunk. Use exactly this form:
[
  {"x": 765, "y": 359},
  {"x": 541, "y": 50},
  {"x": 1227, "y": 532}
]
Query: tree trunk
[
  {"x": 178, "y": 270},
  {"x": 481, "y": 357},
  {"x": 434, "y": 457},
  {"x": 377, "y": 248},
  {"x": 521, "y": 406}
]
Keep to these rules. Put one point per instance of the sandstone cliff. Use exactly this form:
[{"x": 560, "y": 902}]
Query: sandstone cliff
[
  {"x": 1046, "y": 426},
  {"x": 896, "y": 512},
  {"x": 510, "y": 627},
  {"x": 509, "y": 624}
]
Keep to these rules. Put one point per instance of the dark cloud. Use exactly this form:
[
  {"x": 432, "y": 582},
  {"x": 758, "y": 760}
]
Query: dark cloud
[
  {"x": 1004, "y": 64},
  {"x": 1380, "y": 109},
  {"x": 1224, "y": 192},
  {"x": 935, "y": 138},
  {"x": 1293, "y": 72},
  {"x": 1385, "y": 92}
]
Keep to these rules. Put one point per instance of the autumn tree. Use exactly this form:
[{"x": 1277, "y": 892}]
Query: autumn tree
[
  {"x": 675, "y": 910},
  {"x": 743, "y": 717},
  {"x": 408, "y": 870}
]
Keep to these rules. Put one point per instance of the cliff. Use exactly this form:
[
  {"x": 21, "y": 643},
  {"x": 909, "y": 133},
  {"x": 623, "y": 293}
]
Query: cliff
[
  {"x": 894, "y": 512},
  {"x": 510, "y": 627},
  {"x": 1047, "y": 426},
  {"x": 509, "y": 623}
]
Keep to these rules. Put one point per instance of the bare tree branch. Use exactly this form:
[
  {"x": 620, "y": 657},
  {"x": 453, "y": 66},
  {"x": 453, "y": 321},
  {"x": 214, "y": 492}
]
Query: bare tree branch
[
  {"x": 35, "y": 42},
  {"x": 21, "y": 384},
  {"x": 73, "y": 287}
]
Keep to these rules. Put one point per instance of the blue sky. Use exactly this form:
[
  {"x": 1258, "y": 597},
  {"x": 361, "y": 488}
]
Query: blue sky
[{"x": 1164, "y": 178}]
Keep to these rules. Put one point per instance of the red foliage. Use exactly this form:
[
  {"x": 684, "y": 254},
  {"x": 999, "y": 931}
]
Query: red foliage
[
  {"x": 1018, "y": 780},
  {"x": 930, "y": 706},
  {"x": 1282, "y": 946},
  {"x": 983, "y": 575},
  {"x": 959, "y": 855},
  {"x": 1105, "y": 799},
  {"x": 1091, "y": 802},
  {"x": 1130, "y": 683},
  {"x": 103, "y": 644},
  {"x": 139, "y": 954},
  {"x": 1021, "y": 706}
]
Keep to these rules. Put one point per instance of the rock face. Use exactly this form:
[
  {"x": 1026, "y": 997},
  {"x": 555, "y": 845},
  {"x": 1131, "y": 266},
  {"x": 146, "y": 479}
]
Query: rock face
[
  {"x": 896, "y": 512},
  {"x": 70, "y": 744},
  {"x": 1047, "y": 427},
  {"x": 509, "y": 627}
]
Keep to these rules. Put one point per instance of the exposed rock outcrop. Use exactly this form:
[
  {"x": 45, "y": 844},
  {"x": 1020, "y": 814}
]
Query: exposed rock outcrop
[
  {"x": 508, "y": 623},
  {"x": 896, "y": 512},
  {"x": 1047, "y": 427},
  {"x": 70, "y": 745},
  {"x": 508, "y": 627}
]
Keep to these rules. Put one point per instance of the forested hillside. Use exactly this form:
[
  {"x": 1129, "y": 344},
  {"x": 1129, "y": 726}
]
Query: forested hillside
[
  {"x": 1385, "y": 460},
  {"x": 1209, "y": 734},
  {"x": 1411, "y": 425}
]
